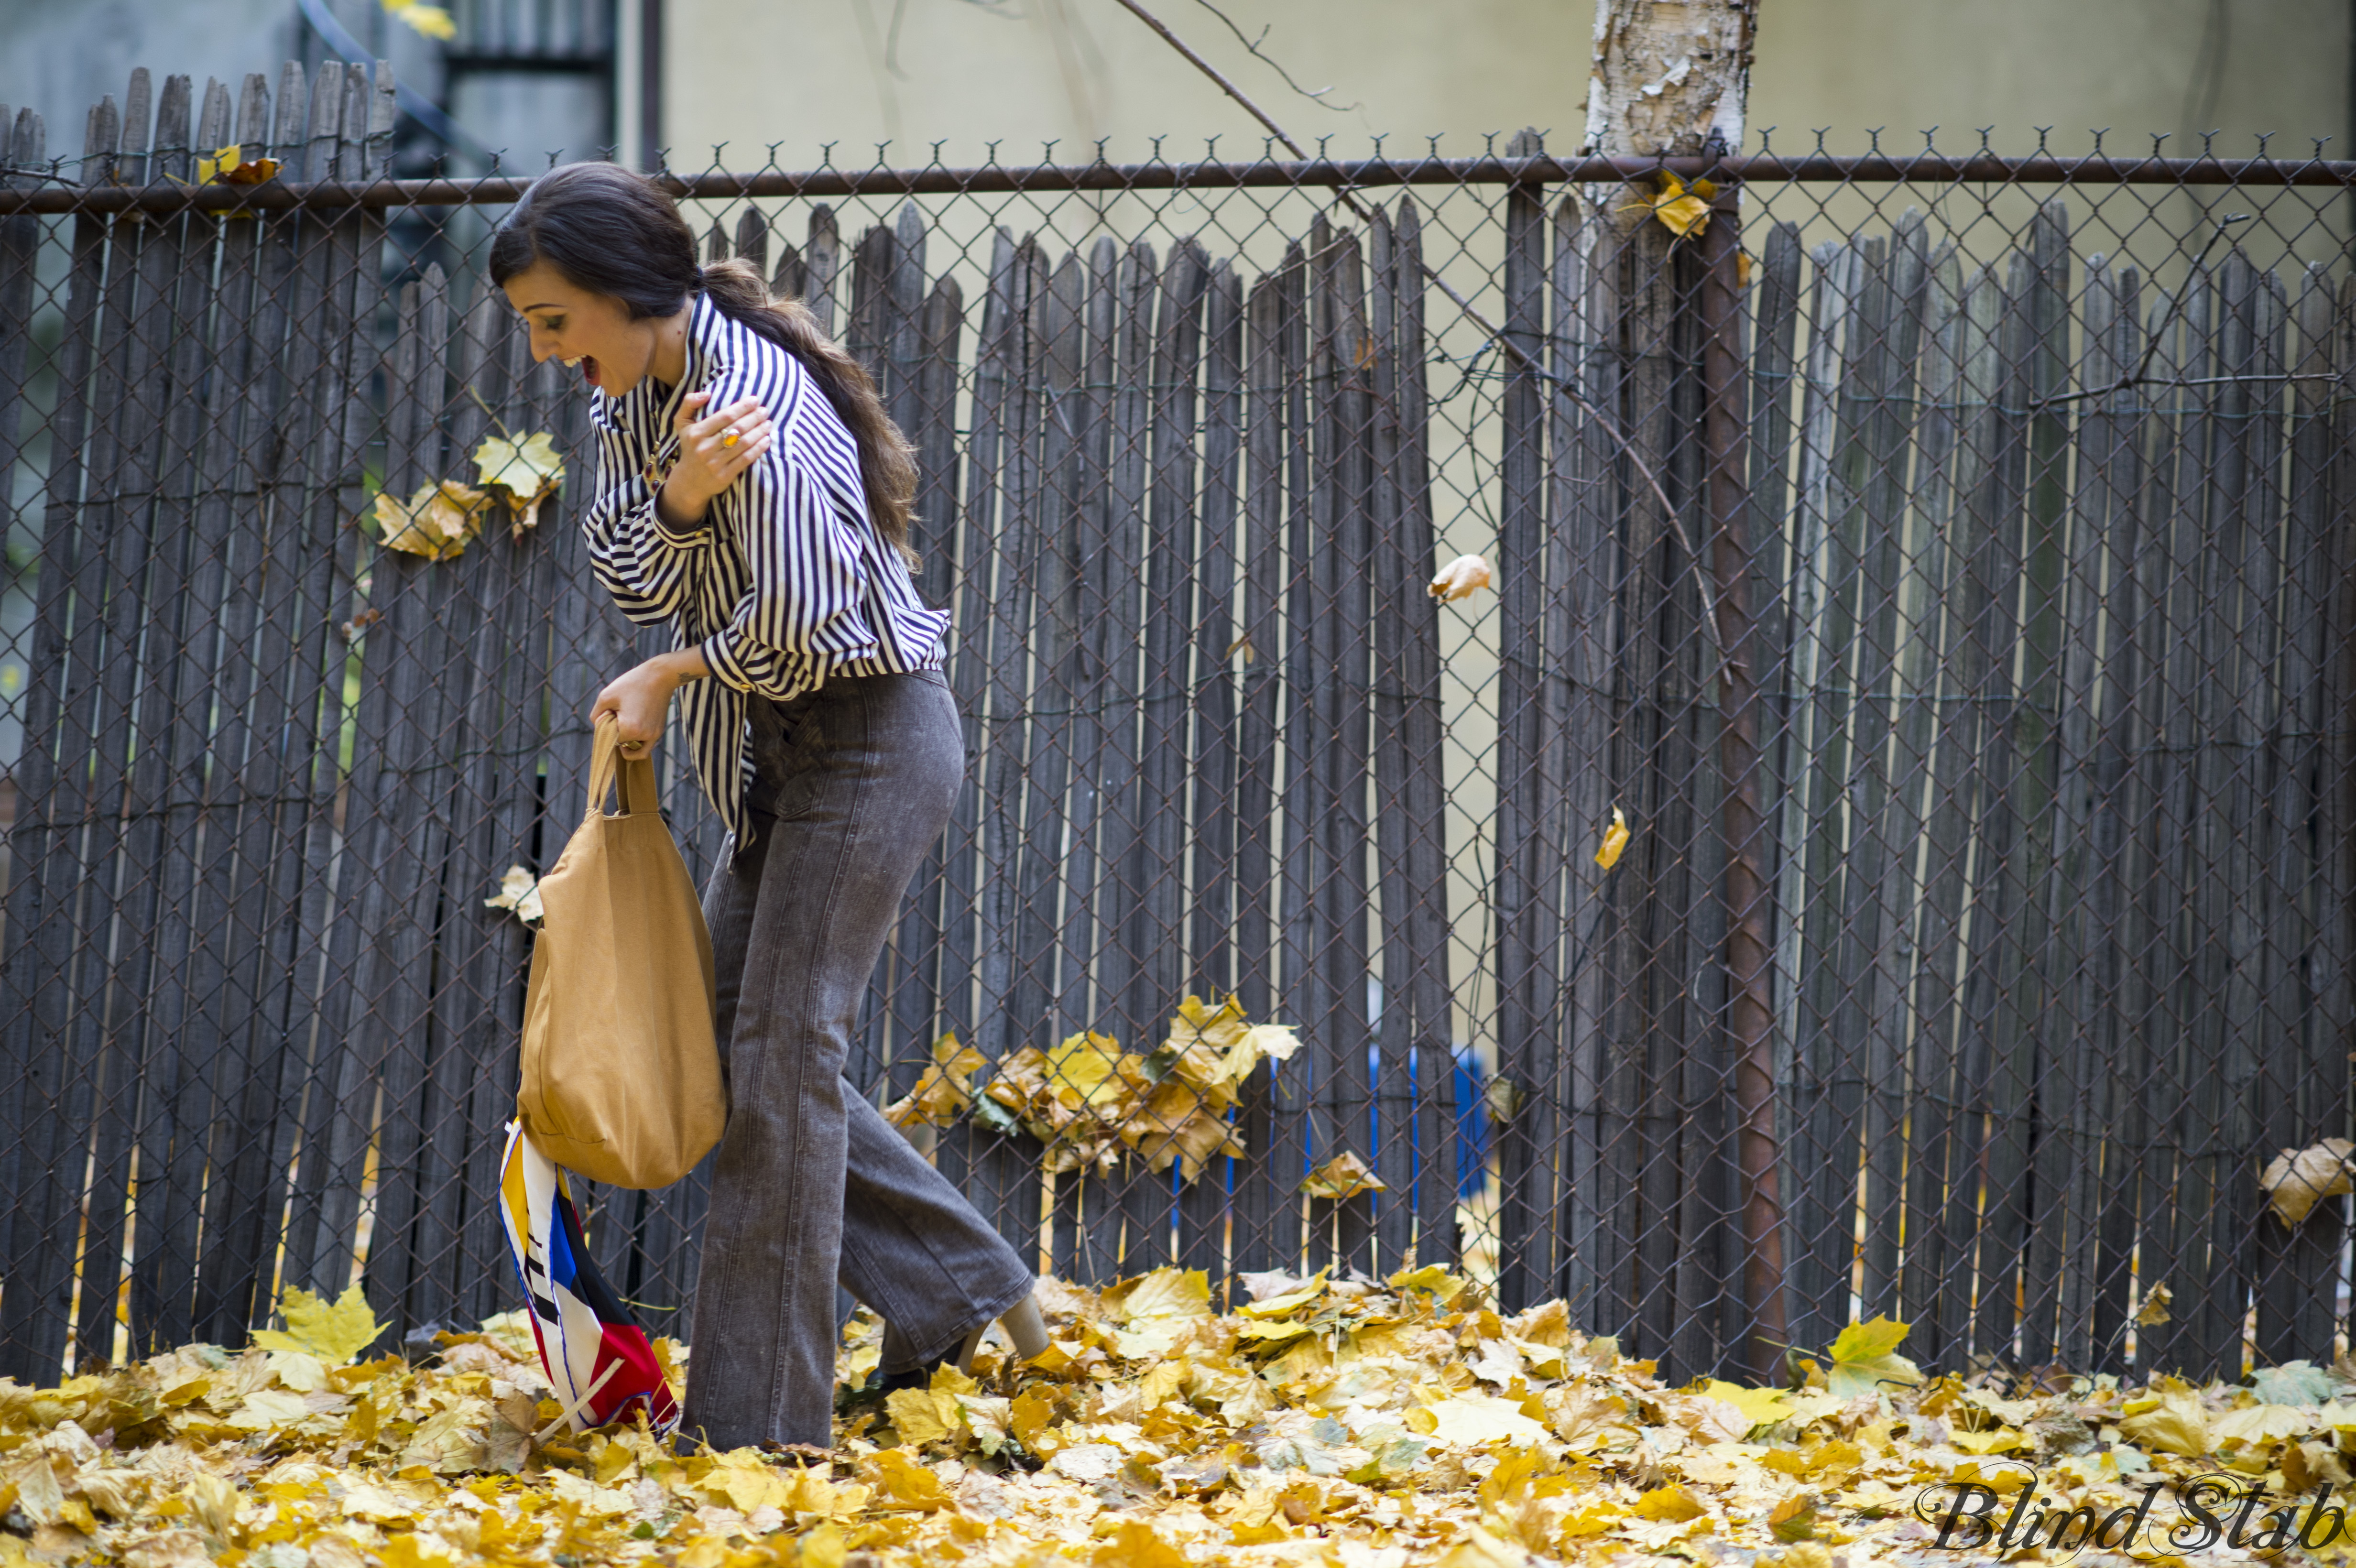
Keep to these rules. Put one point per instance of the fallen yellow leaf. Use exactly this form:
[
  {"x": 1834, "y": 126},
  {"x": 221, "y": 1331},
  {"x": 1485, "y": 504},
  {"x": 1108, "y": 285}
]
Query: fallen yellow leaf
[
  {"x": 1864, "y": 1357},
  {"x": 335, "y": 1332},
  {"x": 1763, "y": 1406},
  {"x": 1668, "y": 1505}
]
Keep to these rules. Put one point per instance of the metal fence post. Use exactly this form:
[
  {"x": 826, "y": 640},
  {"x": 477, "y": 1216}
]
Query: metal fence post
[{"x": 1750, "y": 1012}]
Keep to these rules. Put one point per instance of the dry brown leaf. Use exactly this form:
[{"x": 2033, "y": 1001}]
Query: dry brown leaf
[
  {"x": 1460, "y": 578},
  {"x": 2298, "y": 1179},
  {"x": 1344, "y": 1176},
  {"x": 437, "y": 523}
]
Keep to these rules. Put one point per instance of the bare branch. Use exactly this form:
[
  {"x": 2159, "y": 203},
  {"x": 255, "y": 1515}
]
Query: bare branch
[
  {"x": 1314, "y": 95},
  {"x": 1163, "y": 30},
  {"x": 1494, "y": 334}
]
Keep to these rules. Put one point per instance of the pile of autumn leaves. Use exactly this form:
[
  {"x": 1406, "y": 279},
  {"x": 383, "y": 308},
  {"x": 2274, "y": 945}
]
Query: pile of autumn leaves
[
  {"x": 1324, "y": 1420},
  {"x": 1090, "y": 1104}
]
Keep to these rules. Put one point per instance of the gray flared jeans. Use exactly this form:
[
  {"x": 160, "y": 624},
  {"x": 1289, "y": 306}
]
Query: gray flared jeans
[{"x": 812, "y": 1188}]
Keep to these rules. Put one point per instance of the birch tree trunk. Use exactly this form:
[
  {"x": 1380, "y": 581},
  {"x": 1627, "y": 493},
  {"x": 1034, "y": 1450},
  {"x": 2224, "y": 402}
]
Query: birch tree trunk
[{"x": 1668, "y": 74}]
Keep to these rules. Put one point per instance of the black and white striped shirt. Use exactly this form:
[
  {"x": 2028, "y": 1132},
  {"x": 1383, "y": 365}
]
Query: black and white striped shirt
[{"x": 784, "y": 581}]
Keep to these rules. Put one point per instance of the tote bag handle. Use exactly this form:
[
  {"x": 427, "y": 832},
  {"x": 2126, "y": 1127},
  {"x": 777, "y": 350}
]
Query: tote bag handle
[{"x": 632, "y": 780}]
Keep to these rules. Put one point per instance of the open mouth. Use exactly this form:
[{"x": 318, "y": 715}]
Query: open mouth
[{"x": 588, "y": 367}]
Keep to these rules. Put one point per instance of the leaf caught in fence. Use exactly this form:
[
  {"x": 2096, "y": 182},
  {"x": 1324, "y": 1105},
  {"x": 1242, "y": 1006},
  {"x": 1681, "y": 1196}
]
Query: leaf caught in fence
[
  {"x": 1683, "y": 209},
  {"x": 1615, "y": 840},
  {"x": 519, "y": 891},
  {"x": 528, "y": 471},
  {"x": 1344, "y": 1176},
  {"x": 437, "y": 523},
  {"x": 230, "y": 165},
  {"x": 333, "y": 1331},
  {"x": 944, "y": 1091},
  {"x": 2296, "y": 1181},
  {"x": 1460, "y": 578},
  {"x": 1089, "y": 1102}
]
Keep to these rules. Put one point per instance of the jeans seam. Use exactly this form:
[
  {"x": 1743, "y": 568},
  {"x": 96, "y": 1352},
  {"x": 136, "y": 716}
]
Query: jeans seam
[{"x": 795, "y": 1222}]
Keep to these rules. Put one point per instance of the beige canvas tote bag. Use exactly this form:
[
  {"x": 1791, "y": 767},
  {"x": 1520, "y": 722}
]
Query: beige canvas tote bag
[{"x": 621, "y": 1077}]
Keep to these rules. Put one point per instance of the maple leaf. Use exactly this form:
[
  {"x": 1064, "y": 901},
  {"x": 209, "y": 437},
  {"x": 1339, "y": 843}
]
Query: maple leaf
[
  {"x": 1473, "y": 1420},
  {"x": 528, "y": 471},
  {"x": 1865, "y": 1356},
  {"x": 335, "y": 1332},
  {"x": 2172, "y": 1421},
  {"x": 436, "y": 523},
  {"x": 945, "y": 1089}
]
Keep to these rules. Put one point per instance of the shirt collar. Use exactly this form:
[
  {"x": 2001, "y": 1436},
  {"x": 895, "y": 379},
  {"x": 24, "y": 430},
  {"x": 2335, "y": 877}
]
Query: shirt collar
[{"x": 705, "y": 327}]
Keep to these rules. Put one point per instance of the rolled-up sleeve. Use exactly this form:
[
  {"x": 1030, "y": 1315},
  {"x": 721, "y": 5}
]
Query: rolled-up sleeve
[
  {"x": 648, "y": 568},
  {"x": 802, "y": 612}
]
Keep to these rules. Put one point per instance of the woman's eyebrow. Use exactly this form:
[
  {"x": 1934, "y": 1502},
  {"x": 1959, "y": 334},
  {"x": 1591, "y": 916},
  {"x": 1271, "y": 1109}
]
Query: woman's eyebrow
[{"x": 543, "y": 305}]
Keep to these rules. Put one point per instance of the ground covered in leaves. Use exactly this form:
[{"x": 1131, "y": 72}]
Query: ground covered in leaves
[{"x": 1338, "y": 1422}]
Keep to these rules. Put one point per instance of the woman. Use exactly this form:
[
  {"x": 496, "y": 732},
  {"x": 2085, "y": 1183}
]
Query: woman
[{"x": 755, "y": 496}]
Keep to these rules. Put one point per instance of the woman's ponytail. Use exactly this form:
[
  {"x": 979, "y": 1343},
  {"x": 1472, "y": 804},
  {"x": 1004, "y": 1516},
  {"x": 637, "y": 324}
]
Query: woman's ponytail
[
  {"x": 888, "y": 463},
  {"x": 617, "y": 233}
]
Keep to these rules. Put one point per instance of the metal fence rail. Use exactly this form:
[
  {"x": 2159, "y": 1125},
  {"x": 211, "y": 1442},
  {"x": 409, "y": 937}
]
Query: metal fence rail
[{"x": 1942, "y": 563}]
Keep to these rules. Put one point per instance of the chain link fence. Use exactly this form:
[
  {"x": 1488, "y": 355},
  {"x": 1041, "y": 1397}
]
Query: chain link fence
[{"x": 1939, "y": 563}]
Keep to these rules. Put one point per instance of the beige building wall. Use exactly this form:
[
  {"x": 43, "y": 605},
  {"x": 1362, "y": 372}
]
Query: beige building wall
[{"x": 854, "y": 72}]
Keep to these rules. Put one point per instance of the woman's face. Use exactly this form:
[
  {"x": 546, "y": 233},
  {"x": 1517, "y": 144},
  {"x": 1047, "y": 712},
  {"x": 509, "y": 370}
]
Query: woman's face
[{"x": 592, "y": 331}]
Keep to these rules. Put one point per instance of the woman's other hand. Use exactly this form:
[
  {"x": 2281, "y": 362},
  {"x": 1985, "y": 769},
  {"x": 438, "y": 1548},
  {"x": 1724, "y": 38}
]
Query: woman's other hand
[
  {"x": 639, "y": 700},
  {"x": 714, "y": 449}
]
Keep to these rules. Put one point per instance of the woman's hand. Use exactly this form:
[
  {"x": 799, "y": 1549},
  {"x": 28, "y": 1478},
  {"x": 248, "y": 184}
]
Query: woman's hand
[
  {"x": 639, "y": 700},
  {"x": 713, "y": 452}
]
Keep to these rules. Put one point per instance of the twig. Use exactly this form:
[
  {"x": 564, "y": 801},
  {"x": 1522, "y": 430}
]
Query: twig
[
  {"x": 1163, "y": 30},
  {"x": 1496, "y": 333},
  {"x": 505, "y": 433},
  {"x": 2151, "y": 348},
  {"x": 1316, "y": 96}
]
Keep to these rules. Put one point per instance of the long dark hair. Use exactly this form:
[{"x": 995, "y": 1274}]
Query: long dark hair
[{"x": 620, "y": 234}]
